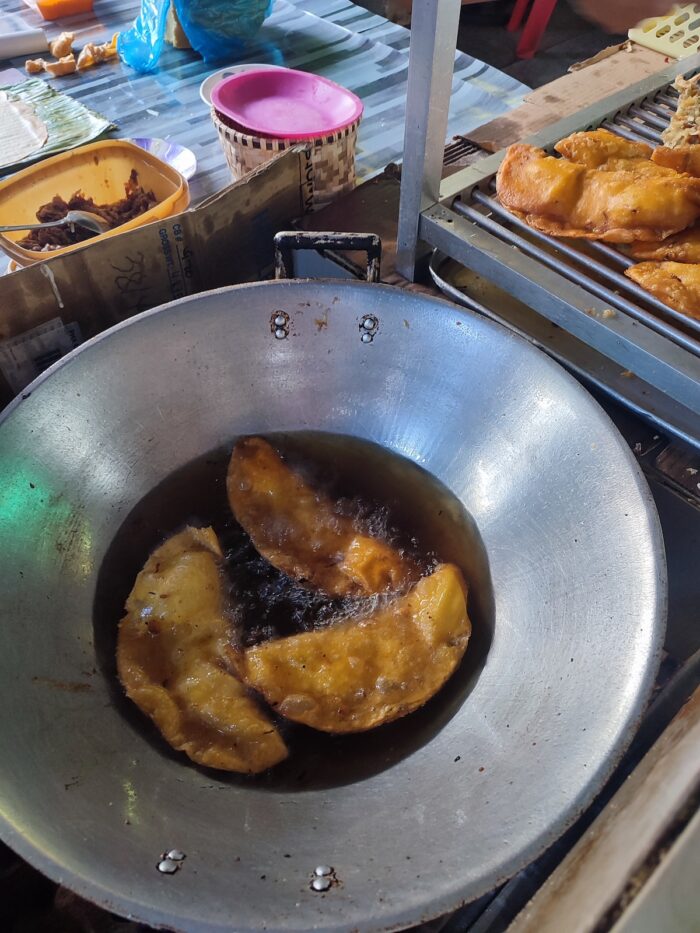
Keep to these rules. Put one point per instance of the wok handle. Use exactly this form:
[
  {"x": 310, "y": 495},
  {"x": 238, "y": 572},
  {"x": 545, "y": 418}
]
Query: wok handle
[{"x": 289, "y": 240}]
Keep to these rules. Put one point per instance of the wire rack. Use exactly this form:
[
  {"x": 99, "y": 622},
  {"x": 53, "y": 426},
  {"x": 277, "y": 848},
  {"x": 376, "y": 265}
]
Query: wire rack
[{"x": 581, "y": 286}]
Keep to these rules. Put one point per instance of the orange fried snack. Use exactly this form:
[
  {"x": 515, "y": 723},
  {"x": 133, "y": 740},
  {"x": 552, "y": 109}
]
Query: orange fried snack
[
  {"x": 171, "y": 658},
  {"x": 681, "y": 247},
  {"x": 360, "y": 673},
  {"x": 304, "y": 533},
  {"x": 682, "y": 159},
  {"x": 677, "y": 284},
  {"x": 599, "y": 148},
  {"x": 562, "y": 198}
]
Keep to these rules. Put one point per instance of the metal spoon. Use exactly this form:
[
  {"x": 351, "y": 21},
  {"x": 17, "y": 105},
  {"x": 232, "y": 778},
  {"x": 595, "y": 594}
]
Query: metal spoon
[{"x": 73, "y": 218}]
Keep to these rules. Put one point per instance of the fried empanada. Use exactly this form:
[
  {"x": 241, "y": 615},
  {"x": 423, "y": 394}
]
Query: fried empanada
[
  {"x": 600, "y": 148},
  {"x": 172, "y": 653},
  {"x": 681, "y": 247},
  {"x": 304, "y": 533},
  {"x": 360, "y": 673},
  {"x": 677, "y": 284},
  {"x": 682, "y": 159},
  {"x": 684, "y": 126},
  {"x": 563, "y": 198}
]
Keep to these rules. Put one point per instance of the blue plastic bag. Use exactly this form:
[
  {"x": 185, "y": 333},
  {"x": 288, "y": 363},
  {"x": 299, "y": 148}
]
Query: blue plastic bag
[
  {"x": 141, "y": 45},
  {"x": 217, "y": 29}
]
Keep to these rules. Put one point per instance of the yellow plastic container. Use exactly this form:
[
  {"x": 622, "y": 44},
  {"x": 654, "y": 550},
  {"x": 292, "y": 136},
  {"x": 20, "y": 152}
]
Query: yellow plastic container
[{"x": 100, "y": 171}]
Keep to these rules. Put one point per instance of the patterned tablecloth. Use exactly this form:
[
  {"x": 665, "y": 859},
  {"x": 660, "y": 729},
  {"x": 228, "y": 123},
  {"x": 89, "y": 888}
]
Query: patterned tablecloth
[{"x": 335, "y": 38}]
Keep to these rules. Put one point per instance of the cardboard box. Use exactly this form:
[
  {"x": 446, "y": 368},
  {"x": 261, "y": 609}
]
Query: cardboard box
[{"x": 52, "y": 306}]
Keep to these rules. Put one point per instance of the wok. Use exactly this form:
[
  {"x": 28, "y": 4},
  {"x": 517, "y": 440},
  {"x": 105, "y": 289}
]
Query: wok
[{"x": 568, "y": 602}]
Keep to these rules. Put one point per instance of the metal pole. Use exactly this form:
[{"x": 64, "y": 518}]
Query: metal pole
[{"x": 434, "y": 25}]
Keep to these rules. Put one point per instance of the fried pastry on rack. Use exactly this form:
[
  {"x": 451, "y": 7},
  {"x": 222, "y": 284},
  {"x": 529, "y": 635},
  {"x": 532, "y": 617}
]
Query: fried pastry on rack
[
  {"x": 305, "y": 534},
  {"x": 563, "y": 198},
  {"x": 362, "y": 672},
  {"x": 681, "y": 139},
  {"x": 173, "y": 659},
  {"x": 681, "y": 247},
  {"x": 599, "y": 148},
  {"x": 677, "y": 284},
  {"x": 683, "y": 159},
  {"x": 684, "y": 126},
  {"x": 603, "y": 150}
]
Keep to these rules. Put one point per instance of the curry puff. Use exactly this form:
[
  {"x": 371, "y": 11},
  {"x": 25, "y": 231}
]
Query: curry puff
[
  {"x": 304, "y": 533},
  {"x": 677, "y": 284},
  {"x": 684, "y": 126},
  {"x": 606, "y": 152},
  {"x": 602, "y": 149},
  {"x": 172, "y": 652},
  {"x": 564, "y": 198},
  {"x": 684, "y": 159},
  {"x": 681, "y": 247},
  {"x": 363, "y": 672}
]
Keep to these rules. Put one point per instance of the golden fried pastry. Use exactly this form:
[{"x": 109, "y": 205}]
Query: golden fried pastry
[
  {"x": 681, "y": 247},
  {"x": 360, "y": 673},
  {"x": 684, "y": 127},
  {"x": 304, "y": 533},
  {"x": 677, "y": 284},
  {"x": 600, "y": 148},
  {"x": 563, "y": 198},
  {"x": 92, "y": 54},
  {"x": 171, "y": 658},
  {"x": 62, "y": 45},
  {"x": 684, "y": 159},
  {"x": 65, "y": 65}
]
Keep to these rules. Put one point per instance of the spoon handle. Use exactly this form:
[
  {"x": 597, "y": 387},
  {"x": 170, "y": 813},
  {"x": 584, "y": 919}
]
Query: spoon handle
[{"x": 6, "y": 228}]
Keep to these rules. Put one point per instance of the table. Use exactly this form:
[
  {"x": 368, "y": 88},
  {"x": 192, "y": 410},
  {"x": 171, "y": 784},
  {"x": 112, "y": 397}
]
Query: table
[{"x": 334, "y": 38}]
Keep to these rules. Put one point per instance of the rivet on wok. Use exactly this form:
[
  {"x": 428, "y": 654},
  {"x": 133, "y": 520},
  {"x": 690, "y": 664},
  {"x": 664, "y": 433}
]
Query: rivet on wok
[
  {"x": 369, "y": 323},
  {"x": 280, "y": 320},
  {"x": 367, "y": 338},
  {"x": 321, "y": 884},
  {"x": 176, "y": 855},
  {"x": 280, "y": 333},
  {"x": 168, "y": 866},
  {"x": 322, "y": 870}
]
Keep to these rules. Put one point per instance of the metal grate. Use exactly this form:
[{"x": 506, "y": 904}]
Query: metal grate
[
  {"x": 577, "y": 262},
  {"x": 580, "y": 285},
  {"x": 462, "y": 151}
]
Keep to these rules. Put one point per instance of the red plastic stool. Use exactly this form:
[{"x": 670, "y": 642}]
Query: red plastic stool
[{"x": 537, "y": 20}]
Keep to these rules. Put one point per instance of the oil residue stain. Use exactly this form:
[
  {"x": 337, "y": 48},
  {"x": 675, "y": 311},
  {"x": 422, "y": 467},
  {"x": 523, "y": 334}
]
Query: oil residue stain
[
  {"x": 65, "y": 686},
  {"x": 387, "y": 495}
]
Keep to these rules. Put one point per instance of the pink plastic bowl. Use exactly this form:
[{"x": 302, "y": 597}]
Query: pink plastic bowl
[{"x": 285, "y": 104}]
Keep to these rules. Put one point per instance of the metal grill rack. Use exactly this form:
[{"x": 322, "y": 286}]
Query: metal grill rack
[{"x": 578, "y": 286}]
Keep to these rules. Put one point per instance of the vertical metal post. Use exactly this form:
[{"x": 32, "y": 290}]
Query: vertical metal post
[{"x": 434, "y": 25}]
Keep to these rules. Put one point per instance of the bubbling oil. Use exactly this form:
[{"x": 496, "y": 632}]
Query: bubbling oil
[{"x": 387, "y": 496}]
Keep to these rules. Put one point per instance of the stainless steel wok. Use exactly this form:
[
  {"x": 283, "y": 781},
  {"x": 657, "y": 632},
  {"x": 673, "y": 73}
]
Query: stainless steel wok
[{"x": 569, "y": 607}]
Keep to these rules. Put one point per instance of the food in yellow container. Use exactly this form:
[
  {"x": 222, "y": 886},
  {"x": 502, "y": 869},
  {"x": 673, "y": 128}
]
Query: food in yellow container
[{"x": 99, "y": 171}]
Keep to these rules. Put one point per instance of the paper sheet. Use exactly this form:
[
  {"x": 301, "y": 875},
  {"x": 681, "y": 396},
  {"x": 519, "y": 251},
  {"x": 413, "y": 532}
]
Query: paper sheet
[{"x": 23, "y": 133}]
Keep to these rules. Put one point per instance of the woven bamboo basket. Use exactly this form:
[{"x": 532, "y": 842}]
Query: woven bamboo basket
[{"x": 329, "y": 161}]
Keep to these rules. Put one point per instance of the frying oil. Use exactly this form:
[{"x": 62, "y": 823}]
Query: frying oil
[{"x": 387, "y": 495}]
